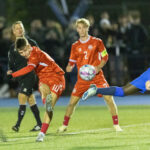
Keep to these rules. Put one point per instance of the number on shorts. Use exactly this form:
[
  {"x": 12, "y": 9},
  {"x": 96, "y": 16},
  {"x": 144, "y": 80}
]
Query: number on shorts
[{"x": 56, "y": 88}]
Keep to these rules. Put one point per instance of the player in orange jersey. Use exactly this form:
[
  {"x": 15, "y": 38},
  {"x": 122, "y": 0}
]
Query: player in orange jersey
[
  {"x": 51, "y": 78},
  {"x": 88, "y": 50}
]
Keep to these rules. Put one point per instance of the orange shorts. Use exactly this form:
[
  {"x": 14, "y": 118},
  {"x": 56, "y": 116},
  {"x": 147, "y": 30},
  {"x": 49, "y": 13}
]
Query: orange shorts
[
  {"x": 56, "y": 83},
  {"x": 82, "y": 86}
]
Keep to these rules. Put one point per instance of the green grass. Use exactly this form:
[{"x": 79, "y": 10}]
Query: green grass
[{"x": 90, "y": 129}]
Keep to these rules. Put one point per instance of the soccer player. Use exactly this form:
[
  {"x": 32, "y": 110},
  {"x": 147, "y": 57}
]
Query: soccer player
[
  {"x": 140, "y": 84},
  {"x": 26, "y": 82},
  {"x": 88, "y": 50},
  {"x": 51, "y": 78}
]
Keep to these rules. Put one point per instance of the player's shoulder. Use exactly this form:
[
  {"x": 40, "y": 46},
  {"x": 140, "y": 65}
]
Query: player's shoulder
[
  {"x": 31, "y": 41},
  {"x": 36, "y": 50},
  {"x": 96, "y": 39},
  {"x": 76, "y": 43}
]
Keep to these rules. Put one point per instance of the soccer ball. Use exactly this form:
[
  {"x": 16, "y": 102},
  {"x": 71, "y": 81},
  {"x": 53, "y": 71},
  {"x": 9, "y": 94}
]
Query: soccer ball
[{"x": 87, "y": 72}]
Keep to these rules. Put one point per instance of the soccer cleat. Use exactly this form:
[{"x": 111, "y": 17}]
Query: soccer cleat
[
  {"x": 36, "y": 128},
  {"x": 61, "y": 129},
  {"x": 117, "y": 128},
  {"x": 15, "y": 128},
  {"x": 90, "y": 92},
  {"x": 49, "y": 103},
  {"x": 40, "y": 137}
]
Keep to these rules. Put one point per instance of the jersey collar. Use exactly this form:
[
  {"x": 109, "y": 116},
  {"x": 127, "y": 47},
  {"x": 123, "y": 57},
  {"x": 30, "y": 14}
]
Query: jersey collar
[{"x": 85, "y": 40}]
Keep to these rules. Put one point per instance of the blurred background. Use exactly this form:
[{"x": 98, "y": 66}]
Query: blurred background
[{"x": 123, "y": 25}]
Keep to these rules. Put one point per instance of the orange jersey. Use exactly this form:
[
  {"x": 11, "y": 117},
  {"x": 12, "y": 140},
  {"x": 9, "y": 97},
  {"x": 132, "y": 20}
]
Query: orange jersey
[
  {"x": 45, "y": 66},
  {"x": 90, "y": 52}
]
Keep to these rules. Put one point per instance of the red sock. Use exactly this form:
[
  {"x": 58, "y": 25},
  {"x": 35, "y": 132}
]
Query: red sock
[
  {"x": 44, "y": 127},
  {"x": 44, "y": 100},
  {"x": 66, "y": 120},
  {"x": 115, "y": 119}
]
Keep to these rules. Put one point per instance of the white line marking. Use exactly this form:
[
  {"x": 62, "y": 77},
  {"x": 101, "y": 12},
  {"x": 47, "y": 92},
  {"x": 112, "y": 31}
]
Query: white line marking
[{"x": 80, "y": 132}]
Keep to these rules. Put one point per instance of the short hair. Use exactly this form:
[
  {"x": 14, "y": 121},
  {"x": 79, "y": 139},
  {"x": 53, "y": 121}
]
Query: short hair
[
  {"x": 21, "y": 43},
  {"x": 83, "y": 21}
]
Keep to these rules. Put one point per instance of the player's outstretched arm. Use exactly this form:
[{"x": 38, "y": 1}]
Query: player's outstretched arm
[
  {"x": 23, "y": 71},
  {"x": 100, "y": 66}
]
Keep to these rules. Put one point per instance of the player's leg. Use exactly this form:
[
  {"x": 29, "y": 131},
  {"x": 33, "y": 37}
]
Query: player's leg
[
  {"x": 112, "y": 90},
  {"x": 21, "y": 111},
  {"x": 134, "y": 86},
  {"x": 129, "y": 89},
  {"x": 34, "y": 108},
  {"x": 113, "y": 110},
  {"x": 69, "y": 111},
  {"x": 51, "y": 99},
  {"x": 27, "y": 85}
]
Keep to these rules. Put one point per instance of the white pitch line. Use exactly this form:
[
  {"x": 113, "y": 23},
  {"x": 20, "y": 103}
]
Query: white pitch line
[
  {"x": 106, "y": 129},
  {"x": 83, "y": 131}
]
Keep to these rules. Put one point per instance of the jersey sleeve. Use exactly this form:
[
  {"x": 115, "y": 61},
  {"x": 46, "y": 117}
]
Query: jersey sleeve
[
  {"x": 73, "y": 56},
  {"x": 10, "y": 61},
  {"x": 23, "y": 71},
  {"x": 102, "y": 50}
]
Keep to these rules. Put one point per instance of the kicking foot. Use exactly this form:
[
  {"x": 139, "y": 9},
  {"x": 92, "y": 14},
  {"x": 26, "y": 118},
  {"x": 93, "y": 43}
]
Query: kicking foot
[
  {"x": 90, "y": 92},
  {"x": 49, "y": 103},
  {"x": 117, "y": 128},
  {"x": 15, "y": 128},
  {"x": 40, "y": 137},
  {"x": 36, "y": 128},
  {"x": 61, "y": 129}
]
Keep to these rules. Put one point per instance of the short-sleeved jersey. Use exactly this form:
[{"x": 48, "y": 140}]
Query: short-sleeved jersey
[
  {"x": 91, "y": 51},
  {"x": 45, "y": 66}
]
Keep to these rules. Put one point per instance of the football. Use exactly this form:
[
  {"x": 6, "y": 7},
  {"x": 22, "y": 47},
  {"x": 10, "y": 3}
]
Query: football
[{"x": 87, "y": 72}]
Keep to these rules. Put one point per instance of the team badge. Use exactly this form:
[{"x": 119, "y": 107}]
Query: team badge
[
  {"x": 90, "y": 47},
  {"x": 80, "y": 49}
]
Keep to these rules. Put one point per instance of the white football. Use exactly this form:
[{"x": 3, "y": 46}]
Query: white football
[{"x": 87, "y": 72}]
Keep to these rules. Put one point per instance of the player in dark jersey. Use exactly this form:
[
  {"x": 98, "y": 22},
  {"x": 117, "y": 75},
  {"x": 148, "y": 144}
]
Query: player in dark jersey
[
  {"x": 140, "y": 84},
  {"x": 26, "y": 82}
]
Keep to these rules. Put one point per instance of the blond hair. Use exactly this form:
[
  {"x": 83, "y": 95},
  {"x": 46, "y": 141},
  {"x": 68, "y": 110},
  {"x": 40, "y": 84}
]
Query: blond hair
[
  {"x": 13, "y": 25},
  {"x": 83, "y": 21}
]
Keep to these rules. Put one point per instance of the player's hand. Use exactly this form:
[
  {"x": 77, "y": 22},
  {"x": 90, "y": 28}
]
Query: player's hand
[
  {"x": 9, "y": 72},
  {"x": 69, "y": 68},
  {"x": 9, "y": 77},
  {"x": 148, "y": 85}
]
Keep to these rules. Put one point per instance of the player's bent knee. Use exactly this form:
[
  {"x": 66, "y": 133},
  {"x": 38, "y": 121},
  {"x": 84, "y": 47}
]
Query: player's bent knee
[{"x": 44, "y": 89}]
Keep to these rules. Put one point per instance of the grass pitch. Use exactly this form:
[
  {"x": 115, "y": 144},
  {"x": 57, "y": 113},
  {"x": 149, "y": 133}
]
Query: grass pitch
[{"x": 90, "y": 129}]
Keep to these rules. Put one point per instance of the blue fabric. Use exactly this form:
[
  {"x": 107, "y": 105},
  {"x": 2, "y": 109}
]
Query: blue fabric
[
  {"x": 106, "y": 91},
  {"x": 119, "y": 91},
  {"x": 141, "y": 80},
  {"x": 112, "y": 90}
]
